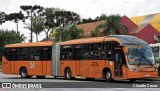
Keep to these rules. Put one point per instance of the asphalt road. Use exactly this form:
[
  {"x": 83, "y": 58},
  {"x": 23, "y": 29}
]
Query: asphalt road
[{"x": 60, "y": 84}]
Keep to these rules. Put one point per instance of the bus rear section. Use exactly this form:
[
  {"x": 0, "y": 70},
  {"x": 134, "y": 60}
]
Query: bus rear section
[{"x": 27, "y": 59}]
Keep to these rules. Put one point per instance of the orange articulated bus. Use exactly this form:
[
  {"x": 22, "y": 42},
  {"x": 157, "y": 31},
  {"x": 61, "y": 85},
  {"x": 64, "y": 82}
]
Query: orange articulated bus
[
  {"x": 27, "y": 59},
  {"x": 111, "y": 57}
]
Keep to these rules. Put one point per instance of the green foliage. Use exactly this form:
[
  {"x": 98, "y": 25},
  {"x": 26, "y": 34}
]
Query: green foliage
[
  {"x": 2, "y": 17},
  {"x": 95, "y": 32},
  {"x": 112, "y": 26},
  {"x": 9, "y": 37},
  {"x": 69, "y": 33},
  {"x": 89, "y": 20},
  {"x": 15, "y": 17},
  {"x": 32, "y": 11},
  {"x": 37, "y": 25},
  {"x": 59, "y": 18}
]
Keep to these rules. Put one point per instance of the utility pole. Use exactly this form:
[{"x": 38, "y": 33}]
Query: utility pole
[{"x": 31, "y": 28}]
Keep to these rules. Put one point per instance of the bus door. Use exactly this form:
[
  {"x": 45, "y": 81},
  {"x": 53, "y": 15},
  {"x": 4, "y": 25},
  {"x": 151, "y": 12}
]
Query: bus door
[
  {"x": 46, "y": 61},
  {"x": 118, "y": 62},
  {"x": 86, "y": 63},
  {"x": 13, "y": 55},
  {"x": 78, "y": 54}
]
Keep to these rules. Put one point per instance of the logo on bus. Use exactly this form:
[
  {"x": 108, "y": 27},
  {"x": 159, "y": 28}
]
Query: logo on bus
[{"x": 32, "y": 64}]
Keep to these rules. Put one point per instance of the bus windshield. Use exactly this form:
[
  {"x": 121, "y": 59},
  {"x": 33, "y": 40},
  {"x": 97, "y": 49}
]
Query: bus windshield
[{"x": 140, "y": 54}]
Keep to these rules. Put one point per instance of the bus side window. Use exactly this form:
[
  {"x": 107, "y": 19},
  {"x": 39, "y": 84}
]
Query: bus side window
[
  {"x": 45, "y": 54},
  {"x": 106, "y": 50},
  {"x": 66, "y": 53},
  {"x": 95, "y": 51},
  {"x": 34, "y": 53},
  {"x": 86, "y": 51},
  {"x": 24, "y": 54},
  {"x": 6, "y": 53},
  {"x": 13, "y": 54}
]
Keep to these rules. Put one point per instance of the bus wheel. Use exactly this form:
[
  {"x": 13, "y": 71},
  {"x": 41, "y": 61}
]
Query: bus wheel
[
  {"x": 132, "y": 80},
  {"x": 23, "y": 73},
  {"x": 68, "y": 74},
  {"x": 108, "y": 76},
  {"x": 40, "y": 77}
]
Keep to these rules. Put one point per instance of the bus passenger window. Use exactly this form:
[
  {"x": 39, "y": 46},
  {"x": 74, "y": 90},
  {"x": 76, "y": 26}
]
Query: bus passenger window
[
  {"x": 107, "y": 46},
  {"x": 66, "y": 52},
  {"x": 6, "y": 53},
  {"x": 45, "y": 55},
  {"x": 13, "y": 54},
  {"x": 86, "y": 47},
  {"x": 86, "y": 55}
]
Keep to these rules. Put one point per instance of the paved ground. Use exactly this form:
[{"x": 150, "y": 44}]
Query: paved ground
[{"x": 60, "y": 84}]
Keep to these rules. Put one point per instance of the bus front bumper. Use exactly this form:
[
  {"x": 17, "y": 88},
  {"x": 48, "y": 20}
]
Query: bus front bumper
[{"x": 153, "y": 74}]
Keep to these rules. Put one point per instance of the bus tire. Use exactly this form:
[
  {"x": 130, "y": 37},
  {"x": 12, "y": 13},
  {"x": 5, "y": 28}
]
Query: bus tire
[
  {"x": 24, "y": 73},
  {"x": 68, "y": 74},
  {"x": 108, "y": 75},
  {"x": 40, "y": 77},
  {"x": 132, "y": 80}
]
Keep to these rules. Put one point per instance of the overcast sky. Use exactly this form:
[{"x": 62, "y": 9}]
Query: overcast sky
[{"x": 85, "y": 8}]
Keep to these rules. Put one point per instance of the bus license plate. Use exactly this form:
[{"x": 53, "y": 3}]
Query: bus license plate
[{"x": 146, "y": 75}]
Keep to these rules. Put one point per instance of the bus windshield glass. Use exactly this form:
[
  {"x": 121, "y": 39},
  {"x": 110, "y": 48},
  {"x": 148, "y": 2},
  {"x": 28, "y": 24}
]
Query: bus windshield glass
[{"x": 140, "y": 54}]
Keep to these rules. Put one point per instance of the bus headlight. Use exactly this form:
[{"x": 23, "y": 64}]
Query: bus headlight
[{"x": 133, "y": 70}]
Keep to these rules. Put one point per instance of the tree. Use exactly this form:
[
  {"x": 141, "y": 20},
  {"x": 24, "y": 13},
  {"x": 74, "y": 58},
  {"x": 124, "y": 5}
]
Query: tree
[
  {"x": 32, "y": 11},
  {"x": 113, "y": 26},
  {"x": 2, "y": 17},
  {"x": 16, "y": 17},
  {"x": 9, "y": 37},
  {"x": 59, "y": 18},
  {"x": 50, "y": 20},
  {"x": 95, "y": 32},
  {"x": 102, "y": 17},
  {"x": 37, "y": 25},
  {"x": 69, "y": 33}
]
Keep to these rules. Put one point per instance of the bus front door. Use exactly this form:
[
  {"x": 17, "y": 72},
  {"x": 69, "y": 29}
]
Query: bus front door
[{"x": 118, "y": 61}]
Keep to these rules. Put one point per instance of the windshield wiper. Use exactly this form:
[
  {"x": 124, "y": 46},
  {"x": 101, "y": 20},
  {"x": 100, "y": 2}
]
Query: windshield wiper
[{"x": 145, "y": 58}]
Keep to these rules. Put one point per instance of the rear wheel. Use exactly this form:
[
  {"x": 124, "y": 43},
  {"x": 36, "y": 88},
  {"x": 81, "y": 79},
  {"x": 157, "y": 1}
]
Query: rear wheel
[
  {"x": 40, "y": 77},
  {"x": 24, "y": 73},
  {"x": 108, "y": 76},
  {"x": 68, "y": 74}
]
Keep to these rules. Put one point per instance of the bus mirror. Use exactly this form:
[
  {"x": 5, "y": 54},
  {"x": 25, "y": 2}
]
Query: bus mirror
[{"x": 126, "y": 50}]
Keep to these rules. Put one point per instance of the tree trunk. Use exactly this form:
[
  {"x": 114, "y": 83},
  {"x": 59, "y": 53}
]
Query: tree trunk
[
  {"x": 36, "y": 37},
  {"x": 17, "y": 26}
]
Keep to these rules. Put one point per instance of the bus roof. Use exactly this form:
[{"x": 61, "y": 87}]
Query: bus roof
[
  {"x": 128, "y": 39},
  {"x": 124, "y": 39},
  {"x": 86, "y": 40},
  {"x": 34, "y": 44}
]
